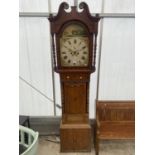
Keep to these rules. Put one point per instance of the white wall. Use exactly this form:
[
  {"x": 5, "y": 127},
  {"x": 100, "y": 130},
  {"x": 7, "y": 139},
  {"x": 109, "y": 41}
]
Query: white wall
[
  {"x": 116, "y": 80},
  {"x": 35, "y": 66},
  {"x": 117, "y": 60}
]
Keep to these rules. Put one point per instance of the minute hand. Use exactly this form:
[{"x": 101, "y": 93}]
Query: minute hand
[{"x": 79, "y": 50}]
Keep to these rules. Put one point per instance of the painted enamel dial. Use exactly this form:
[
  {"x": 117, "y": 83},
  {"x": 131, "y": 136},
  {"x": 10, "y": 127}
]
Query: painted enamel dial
[{"x": 74, "y": 46}]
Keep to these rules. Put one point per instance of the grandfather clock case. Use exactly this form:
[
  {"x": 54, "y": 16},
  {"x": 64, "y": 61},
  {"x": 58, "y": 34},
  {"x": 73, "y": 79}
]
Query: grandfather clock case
[{"x": 74, "y": 36}]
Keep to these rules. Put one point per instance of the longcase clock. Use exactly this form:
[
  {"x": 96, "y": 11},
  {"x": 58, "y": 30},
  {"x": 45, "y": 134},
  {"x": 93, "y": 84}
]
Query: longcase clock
[{"x": 74, "y": 50}]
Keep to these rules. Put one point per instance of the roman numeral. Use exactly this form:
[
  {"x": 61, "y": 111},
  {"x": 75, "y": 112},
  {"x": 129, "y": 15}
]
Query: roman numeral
[
  {"x": 65, "y": 57},
  {"x": 83, "y": 57},
  {"x": 74, "y": 41}
]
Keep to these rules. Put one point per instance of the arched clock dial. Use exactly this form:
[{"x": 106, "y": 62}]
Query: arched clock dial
[{"x": 74, "y": 47}]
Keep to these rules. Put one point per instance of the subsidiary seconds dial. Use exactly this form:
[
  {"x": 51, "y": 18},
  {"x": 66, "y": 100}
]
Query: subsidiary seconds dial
[{"x": 74, "y": 51}]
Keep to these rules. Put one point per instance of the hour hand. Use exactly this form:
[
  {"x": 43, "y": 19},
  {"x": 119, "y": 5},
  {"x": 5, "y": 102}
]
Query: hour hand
[{"x": 70, "y": 50}]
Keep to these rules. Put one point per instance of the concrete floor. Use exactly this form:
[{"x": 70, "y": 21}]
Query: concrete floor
[{"x": 46, "y": 147}]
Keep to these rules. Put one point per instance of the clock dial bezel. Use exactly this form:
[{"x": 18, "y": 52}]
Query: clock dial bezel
[{"x": 90, "y": 49}]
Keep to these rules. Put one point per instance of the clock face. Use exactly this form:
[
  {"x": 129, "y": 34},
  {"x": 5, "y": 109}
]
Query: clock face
[{"x": 74, "y": 46}]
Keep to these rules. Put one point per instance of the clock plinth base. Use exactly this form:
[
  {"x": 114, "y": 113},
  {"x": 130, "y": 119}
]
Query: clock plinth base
[{"x": 75, "y": 137}]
